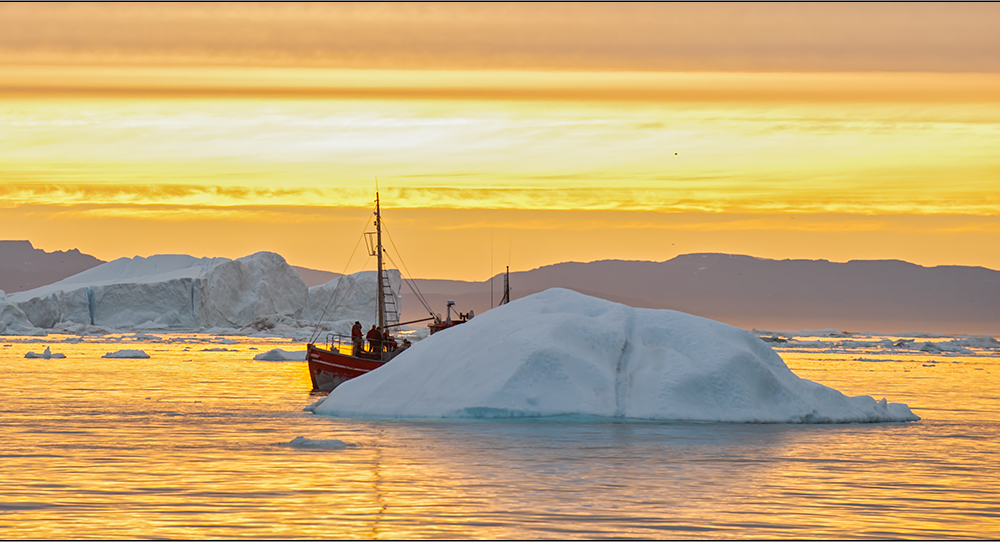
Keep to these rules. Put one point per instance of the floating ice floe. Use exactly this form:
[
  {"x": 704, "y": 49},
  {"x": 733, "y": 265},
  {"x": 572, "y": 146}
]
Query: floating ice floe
[
  {"x": 303, "y": 442},
  {"x": 978, "y": 341},
  {"x": 943, "y": 347},
  {"x": 966, "y": 346},
  {"x": 826, "y": 332},
  {"x": 564, "y": 353},
  {"x": 278, "y": 354},
  {"x": 145, "y": 337},
  {"x": 47, "y": 354},
  {"x": 127, "y": 354}
]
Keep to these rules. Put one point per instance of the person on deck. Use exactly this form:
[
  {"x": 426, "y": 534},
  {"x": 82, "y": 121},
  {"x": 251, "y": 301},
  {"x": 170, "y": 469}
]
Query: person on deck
[
  {"x": 374, "y": 339},
  {"x": 389, "y": 341},
  {"x": 357, "y": 339}
]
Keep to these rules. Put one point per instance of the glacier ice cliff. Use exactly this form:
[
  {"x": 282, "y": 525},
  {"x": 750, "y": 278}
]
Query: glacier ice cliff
[{"x": 187, "y": 293}]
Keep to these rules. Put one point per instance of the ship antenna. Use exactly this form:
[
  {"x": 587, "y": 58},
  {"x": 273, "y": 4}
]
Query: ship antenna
[{"x": 381, "y": 290}]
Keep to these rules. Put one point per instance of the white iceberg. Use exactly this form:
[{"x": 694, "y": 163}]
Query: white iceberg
[
  {"x": 344, "y": 298},
  {"x": 564, "y": 353},
  {"x": 168, "y": 291},
  {"x": 278, "y": 354},
  {"x": 47, "y": 354},
  {"x": 127, "y": 354},
  {"x": 259, "y": 293}
]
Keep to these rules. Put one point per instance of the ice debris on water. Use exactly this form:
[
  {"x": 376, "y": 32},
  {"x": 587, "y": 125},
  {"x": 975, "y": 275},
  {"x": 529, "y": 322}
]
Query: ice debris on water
[
  {"x": 304, "y": 442},
  {"x": 47, "y": 354},
  {"x": 127, "y": 354},
  {"x": 954, "y": 346},
  {"x": 278, "y": 354},
  {"x": 312, "y": 406},
  {"x": 560, "y": 352}
]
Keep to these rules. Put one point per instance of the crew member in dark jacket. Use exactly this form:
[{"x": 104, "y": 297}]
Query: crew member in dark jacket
[
  {"x": 388, "y": 341},
  {"x": 374, "y": 340},
  {"x": 357, "y": 339}
]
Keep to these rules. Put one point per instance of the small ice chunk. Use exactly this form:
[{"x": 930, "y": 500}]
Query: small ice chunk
[
  {"x": 127, "y": 354},
  {"x": 312, "y": 406},
  {"x": 281, "y": 355},
  {"x": 216, "y": 350},
  {"x": 47, "y": 354},
  {"x": 304, "y": 442}
]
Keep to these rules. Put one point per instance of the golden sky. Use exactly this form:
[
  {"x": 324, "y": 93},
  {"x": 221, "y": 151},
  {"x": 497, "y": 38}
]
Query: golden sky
[{"x": 553, "y": 131}]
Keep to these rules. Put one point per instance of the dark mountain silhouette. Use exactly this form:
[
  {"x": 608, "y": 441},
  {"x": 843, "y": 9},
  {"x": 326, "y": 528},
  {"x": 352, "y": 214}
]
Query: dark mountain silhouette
[
  {"x": 877, "y": 295},
  {"x": 23, "y": 267}
]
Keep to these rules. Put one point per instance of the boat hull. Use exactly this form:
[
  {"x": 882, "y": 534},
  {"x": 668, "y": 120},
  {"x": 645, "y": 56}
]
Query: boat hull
[{"x": 330, "y": 368}]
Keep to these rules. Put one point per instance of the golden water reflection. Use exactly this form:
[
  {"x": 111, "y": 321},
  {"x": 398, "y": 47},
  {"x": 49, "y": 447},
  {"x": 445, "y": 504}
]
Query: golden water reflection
[{"x": 193, "y": 443}]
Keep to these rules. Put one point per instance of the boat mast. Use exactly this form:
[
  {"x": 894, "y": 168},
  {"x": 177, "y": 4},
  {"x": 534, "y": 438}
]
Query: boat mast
[
  {"x": 506, "y": 287},
  {"x": 381, "y": 290}
]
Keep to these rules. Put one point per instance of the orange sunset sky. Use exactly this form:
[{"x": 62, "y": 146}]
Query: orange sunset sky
[{"x": 537, "y": 133}]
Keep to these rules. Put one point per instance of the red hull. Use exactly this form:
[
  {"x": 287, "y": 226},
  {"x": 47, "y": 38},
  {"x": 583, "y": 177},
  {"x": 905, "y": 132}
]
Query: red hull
[{"x": 329, "y": 368}]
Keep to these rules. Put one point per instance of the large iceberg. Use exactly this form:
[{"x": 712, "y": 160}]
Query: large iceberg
[
  {"x": 564, "y": 353},
  {"x": 184, "y": 292},
  {"x": 175, "y": 291},
  {"x": 347, "y": 296}
]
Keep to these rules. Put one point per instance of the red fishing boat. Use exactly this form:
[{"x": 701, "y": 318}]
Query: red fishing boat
[{"x": 341, "y": 359}]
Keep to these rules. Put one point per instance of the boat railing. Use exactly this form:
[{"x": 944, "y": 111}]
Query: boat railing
[
  {"x": 343, "y": 344},
  {"x": 340, "y": 343}
]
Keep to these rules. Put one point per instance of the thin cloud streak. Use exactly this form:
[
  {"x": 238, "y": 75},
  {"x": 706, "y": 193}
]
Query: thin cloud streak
[
  {"x": 134, "y": 200},
  {"x": 667, "y": 87}
]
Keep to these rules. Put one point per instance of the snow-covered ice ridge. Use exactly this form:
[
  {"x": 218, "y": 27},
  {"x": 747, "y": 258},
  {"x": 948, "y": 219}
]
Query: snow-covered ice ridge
[
  {"x": 256, "y": 293},
  {"x": 559, "y": 352}
]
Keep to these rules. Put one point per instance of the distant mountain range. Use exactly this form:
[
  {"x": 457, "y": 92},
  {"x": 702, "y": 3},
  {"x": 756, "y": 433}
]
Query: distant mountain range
[
  {"x": 748, "y": 292},
  {"x": 23, "y": 267}
]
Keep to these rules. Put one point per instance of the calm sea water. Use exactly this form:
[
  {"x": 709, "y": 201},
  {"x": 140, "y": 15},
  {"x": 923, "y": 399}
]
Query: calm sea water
[{"x": 194, "y": 444}]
